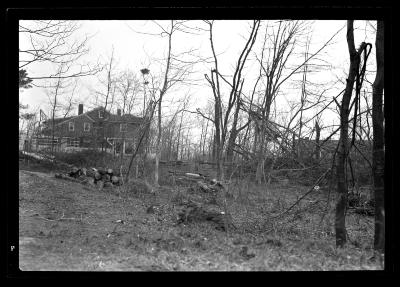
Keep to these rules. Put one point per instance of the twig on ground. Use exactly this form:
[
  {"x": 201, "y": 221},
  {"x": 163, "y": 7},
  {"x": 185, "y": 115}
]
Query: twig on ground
[{"x": 61, "y": 218}]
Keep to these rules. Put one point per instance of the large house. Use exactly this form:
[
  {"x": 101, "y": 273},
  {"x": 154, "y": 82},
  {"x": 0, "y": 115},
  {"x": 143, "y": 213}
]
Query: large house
[{"x": 97, "y": 128}]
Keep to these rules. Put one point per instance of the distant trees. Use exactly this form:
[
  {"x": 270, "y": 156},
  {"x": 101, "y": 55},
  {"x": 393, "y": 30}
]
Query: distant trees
[
  {"x": 176, "y": 68},
  {"x": 223, "y": 113},
  {"x": 243, "y": 122}
]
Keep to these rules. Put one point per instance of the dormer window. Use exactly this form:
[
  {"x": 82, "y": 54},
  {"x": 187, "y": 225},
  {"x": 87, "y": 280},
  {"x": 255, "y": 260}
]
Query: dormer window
[
  {"x": 71, "y": 126},
  {"x": 86, "y": 127},
  {"x": 123, "y": 127},
  {"x": 101, "y": 114}
]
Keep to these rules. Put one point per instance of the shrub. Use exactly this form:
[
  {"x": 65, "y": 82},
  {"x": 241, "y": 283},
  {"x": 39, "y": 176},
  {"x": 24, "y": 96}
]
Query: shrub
[{"x": 86, "y": 158}]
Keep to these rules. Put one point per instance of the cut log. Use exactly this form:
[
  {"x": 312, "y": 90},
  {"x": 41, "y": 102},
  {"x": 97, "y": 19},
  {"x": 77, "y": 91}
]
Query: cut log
[
  {"x": 75, "y": 172},
  {"x": 102, "y": 171},
  {"x": 195, "y": 175},
  {"x": 90, "y": 173},
  {"x": 97, "y": 176},
  {"x": 106, "y": 178},
  {"x": 84, "y": 171},
  {"x": 115, "y": 179}
]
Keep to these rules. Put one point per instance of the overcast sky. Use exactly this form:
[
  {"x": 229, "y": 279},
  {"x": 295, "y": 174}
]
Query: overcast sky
[{"x": 134, "y": 51}]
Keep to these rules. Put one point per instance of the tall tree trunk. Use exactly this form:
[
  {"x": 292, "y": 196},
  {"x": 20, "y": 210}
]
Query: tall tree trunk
[
  {"x": 218, "y": 142},
  {"x": 261, "y": 155},
  {"x": 162, "y": 92},
  {"x": 317, "y": 140},
  {"x": 178, "y": 138},
  {"x": 204, "y": 140},
  {"x": 233, "y": 133},
  {"x": 378, "y": 158},
  {"x": 340, "y": 224},
  {"x": 158, "y": 145}
]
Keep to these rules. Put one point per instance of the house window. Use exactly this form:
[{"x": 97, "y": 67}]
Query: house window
[
  {"x": 86, "y": 127},
  {"x": 101, "y": 114},
  {"x": 71, "y": 126},
  {"x": 129, "y": 147},
  {"x": 123, "y": 127}
]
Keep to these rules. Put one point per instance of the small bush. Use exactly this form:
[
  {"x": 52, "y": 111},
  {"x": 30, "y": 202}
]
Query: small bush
[{"x": 88, "y": 158}]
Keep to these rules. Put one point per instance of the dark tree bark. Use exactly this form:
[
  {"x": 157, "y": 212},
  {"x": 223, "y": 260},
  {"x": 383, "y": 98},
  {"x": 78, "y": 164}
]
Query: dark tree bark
[
  {"x": 378, "y": 159},
  {"x": 340, "y": 224}
]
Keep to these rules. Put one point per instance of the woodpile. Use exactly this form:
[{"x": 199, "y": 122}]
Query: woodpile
[{"x": 93, "y": 176}]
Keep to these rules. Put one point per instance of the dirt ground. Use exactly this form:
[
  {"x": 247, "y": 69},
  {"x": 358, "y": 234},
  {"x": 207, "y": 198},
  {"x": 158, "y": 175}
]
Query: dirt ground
[{"x": 65, "y": 226}]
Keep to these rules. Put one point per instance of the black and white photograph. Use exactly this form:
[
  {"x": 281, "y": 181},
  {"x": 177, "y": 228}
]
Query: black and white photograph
[{"x": 201, "y": 144}]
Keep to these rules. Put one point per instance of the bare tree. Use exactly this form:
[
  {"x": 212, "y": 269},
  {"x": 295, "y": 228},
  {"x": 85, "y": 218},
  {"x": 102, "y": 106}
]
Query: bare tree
[
  {"x": 221, "y": 116},
  {"x": 280, "y": 42},
  {"x": 128, "y": 87},
  {"x": 176, "y": 71},
  {"x": 343, "y": 148},
  {"x": 283, "y": 39},
  {"x": 54, "y": 42},
  {"x": 54, "y": 91},
  {"x": 105, "y": 97}
]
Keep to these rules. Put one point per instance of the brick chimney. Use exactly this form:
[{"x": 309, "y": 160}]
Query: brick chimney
[
  {"x": 119, "y": 112},
  {"x": 80, "y": 109}
]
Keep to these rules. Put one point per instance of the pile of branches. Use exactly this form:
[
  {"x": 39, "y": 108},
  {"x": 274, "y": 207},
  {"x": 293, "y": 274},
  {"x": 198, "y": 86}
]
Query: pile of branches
[
  {"x": 360, "y": 204},
  {"x": 203, "y": 201}
]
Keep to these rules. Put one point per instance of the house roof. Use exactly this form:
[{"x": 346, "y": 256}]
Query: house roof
[
  {"x": 58, "y": 120},
  {"x": 124, "y": 118},
  {"x": 112, "y": 118}
]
